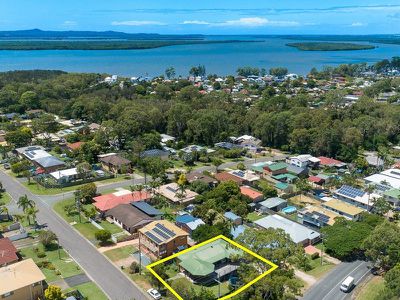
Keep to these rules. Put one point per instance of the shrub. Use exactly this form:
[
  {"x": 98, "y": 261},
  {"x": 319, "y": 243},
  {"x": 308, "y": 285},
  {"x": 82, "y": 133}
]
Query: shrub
[
  {"x": 58, "y": 272},
  {"x": 47, "y": 238},
  {"x": 41, "y": 254},
  {"x": 134, "y": 268},
  {"x": 102, "y": 235},
  {"x": 50, "y": 266},
  {"x": 315, "y": 255}
]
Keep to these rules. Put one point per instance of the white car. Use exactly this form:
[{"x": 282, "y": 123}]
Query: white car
[{"x": 154, "y": 294}]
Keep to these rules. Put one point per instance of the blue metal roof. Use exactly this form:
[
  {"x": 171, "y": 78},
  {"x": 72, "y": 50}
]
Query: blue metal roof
[
  {"x": 231, "y": 216},
  {"x": 185, "y": 219}
]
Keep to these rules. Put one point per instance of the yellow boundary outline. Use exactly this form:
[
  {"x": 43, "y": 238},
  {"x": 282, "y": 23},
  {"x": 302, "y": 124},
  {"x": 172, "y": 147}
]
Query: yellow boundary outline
[{"x": 273, "y": 266}]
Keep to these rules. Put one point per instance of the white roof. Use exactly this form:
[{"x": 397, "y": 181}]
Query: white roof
[
  {"x": 298, "y": 233},
  {"x": 246, "y": 175},
  {"x": 391, "y": 176},
  {"x": 194, "y": 224},
  {"x": 122, "y": 192},
  {"x": 36, "y": 154},
  {"x": 64, "y": 173}
]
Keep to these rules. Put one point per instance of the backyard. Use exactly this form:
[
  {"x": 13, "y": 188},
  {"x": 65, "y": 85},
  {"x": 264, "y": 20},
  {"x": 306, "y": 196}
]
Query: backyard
[{"x": 120, "y": 253}]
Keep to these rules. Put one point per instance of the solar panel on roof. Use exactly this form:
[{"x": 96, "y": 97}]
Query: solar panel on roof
[
  {"x": 350, "y": 191},
  {"x": 161, "y": 233},
  {"x": 170, "y": 188},
  {"x": 166, "y": 230},
  {"x": 153, "y": 237},
  {"x": 323, "y": 218}
]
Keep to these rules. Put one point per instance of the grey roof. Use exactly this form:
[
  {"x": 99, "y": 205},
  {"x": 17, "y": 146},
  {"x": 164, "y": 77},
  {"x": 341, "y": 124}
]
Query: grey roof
[
  {"x": 154, "y": 153},
  {"x": 272, "y": 202},
  {"x": 298, "y": 233},
  {"x": 295, "y": 170},
  {"x": 49, "y": 161},
  {"x": 129, "y": 215},
  {"x": 29, "y": 148},
  {"x": 147, "y": 208}
]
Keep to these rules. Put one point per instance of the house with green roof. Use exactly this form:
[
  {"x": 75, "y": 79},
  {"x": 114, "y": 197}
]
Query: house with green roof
[
  {"x": 392, "y": 196},
  {"x": 275, "y": 169},
  {"x": 209, "y": 262}
]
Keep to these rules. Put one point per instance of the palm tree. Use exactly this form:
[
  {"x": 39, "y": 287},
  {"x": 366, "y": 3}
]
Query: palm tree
[
  {"x": 24, "y": 203},
  {"x": 31, "y": 212},
  {"x": 369, "y": 189}
]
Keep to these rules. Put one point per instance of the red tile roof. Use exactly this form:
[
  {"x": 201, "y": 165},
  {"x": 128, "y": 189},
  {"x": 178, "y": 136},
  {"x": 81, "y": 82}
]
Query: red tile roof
[
  {"x": 109, "y": 201},
  {"x": 251, "y": 193},
  {"x": 8, "y": 252},
  {"x": 75, "y": 146},
  {"x": 326, "y": 161},
  {"x": 315, "y": 179},
  {"x": 225, "y": 176}
]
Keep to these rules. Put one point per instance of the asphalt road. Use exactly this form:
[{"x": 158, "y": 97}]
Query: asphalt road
[
  {"x": 111, "y": 280},
  {"x": 328, "y": 288}
]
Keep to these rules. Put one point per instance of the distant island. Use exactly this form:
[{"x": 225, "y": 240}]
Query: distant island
[
  {"x": 328, "y": 46},
  {"x": 104, "y": 44}
]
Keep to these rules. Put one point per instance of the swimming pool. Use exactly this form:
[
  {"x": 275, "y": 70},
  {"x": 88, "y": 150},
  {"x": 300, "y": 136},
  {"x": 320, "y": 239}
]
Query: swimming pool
[{"x": 289, "y": 210}]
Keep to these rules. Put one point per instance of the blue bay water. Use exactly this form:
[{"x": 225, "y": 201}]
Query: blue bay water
[{"x": 221, "y": 59}]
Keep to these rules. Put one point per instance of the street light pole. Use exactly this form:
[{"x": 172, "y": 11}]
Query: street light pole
[
  {"x": 140, "y": 257},
  {"x": 58, "y": 248}
]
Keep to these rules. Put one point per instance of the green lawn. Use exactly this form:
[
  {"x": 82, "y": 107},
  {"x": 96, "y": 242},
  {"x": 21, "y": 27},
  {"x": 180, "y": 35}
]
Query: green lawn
[
  {"x": 86, "y": 228},
  {"x": 120, "y": 253},
  {"x": 66, "y": 266},
  {"x": 214, "y": 288},
  {"x": 36, "y": 188},
  {"x": 372, "y": 289},
  {"x": 319, "y": 270},
  {"x": 5, "y": 198},
  {"x": 89, "y": 290},
  {"x": 253, "y": 216}
]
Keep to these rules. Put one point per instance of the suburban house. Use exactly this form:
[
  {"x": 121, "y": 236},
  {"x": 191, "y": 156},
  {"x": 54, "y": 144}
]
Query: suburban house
[
  {"x": 259, "y": 167},
  {"x": 356, "y": 197},
  {"x": 393, "y": 197},
  {"x": 300, "y": 234},
  {"x": 188, "y": 222},
  {"x": 275, "y": 169},
  {"x": 41, "y": 158},
  {"x": 114, "y": 163},
  {"x": 225, "y": 176},
  {"x": 331, "y": 163},
  {"x": 197, "y": 176},
  {"x": 209, "y": 262},
  {"x": 304, "y": 160},
  {"x": 235, "y": 219},
  {"x": 132, "y": 217},
  {"x": 275, "y": 204},
  {"x": 254, "y": 195},
  {"x": 315, "y": 216},
  {"x": 173, "y": 193},
  {"x": 155, "y": 153},
  {"x": 105, "y": 202},
  {"x": 248, "y": 177},
  {"x": 74, "y": 146},
  {"x": 93, "y": 127},
  {"x": 21, "y": 281},
  {"x": 162, "y": 238},
  {"x": 343, "y": 209},
  {"x": 384, "y": 181},
  {"x": 165, "y": 138},
  {"x": 64, "y": 176},
  {"x": 297, "y": 171},
  {"x": 316, "y": 180},
  {"x": 8, "y": 252}
]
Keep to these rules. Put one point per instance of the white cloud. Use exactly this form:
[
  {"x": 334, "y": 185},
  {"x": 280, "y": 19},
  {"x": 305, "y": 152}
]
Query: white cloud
[
  {"x": 137, "y": 23},
  {"x": 195, "y": 22},
  {"x": 245, "y": 22},
  {"x": 69, "y": 23},
  {"x": 358, "y": 24}
]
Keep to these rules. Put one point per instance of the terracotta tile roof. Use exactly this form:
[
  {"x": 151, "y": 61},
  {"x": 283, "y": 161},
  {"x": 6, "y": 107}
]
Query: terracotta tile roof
[
  {"x": 251, "y": 193},
  {"x": 315, "y": 179},
  {"x": 109, "y": 201},
  {"x": 225, "y": 176},
  {"x": 8, "y": 252},
  {"x": 75, "y": 146},
  {"x": 326, "y": 161}
]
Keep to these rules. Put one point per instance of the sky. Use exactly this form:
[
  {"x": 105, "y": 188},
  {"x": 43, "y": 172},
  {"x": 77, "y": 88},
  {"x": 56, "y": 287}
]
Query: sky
[{"x": 205, "y": 16}]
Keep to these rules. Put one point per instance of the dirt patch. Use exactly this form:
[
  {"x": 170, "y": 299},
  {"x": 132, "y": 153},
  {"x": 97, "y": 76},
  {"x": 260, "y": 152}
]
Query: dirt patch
[
  {"x": 126, "y": 262},
  {"x": 303, "y": 200}
]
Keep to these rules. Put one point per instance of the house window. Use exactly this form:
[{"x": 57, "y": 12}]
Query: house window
[{"x": 36, "y": 284}]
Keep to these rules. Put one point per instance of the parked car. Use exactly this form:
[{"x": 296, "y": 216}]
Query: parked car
[
  {"x": 347, "y": 284},
  {"x": 154, "y": 294},
  {"x": 7, "y": 166}
]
